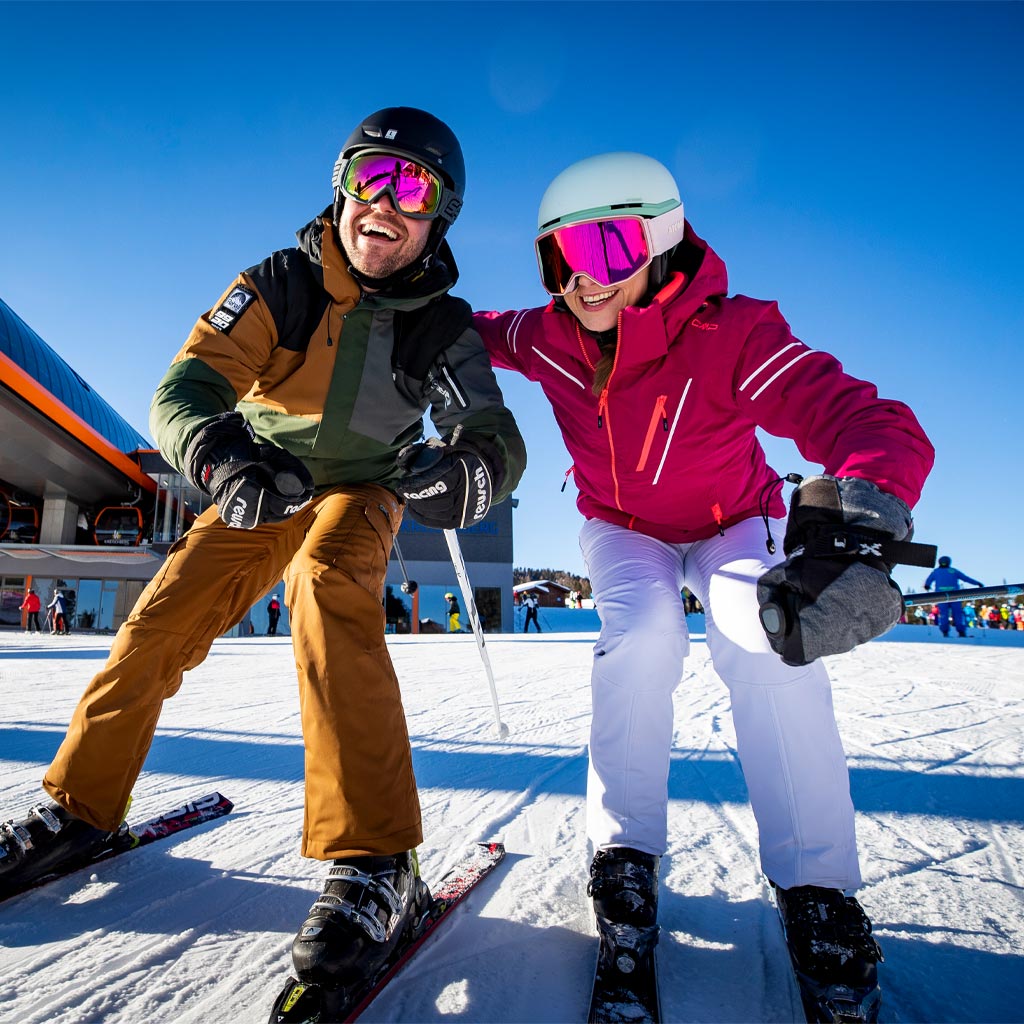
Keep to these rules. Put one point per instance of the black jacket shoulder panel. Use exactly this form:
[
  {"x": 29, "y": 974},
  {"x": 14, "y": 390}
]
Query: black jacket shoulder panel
[
  {"x": 292, "y": 286},
  {"x": 421, "y": 335}
]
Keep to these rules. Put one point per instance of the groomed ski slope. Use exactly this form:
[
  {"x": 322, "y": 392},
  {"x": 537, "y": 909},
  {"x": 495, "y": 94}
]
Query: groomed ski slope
[{"x": 198, "y": 928}]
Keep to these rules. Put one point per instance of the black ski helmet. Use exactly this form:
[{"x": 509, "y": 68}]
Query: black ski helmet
[
  {"x": 945, "y": 562},
  {"x": 408, "y": 132}
]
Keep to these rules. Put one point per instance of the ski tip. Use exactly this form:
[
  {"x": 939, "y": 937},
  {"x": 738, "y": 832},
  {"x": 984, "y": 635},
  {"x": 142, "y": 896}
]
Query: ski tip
[
  {"x": 494, "y": 849},
  {"x": 224, "y": 802},
  {"x": 213, "y": 805}
]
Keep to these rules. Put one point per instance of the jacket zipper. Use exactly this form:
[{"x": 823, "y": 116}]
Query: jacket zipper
[
  {"x": 658, "y": 414},
  {"x": 604, "y": 415},
  {"x": 602, "y": 404},
  {"x": 716, "y": 511}
]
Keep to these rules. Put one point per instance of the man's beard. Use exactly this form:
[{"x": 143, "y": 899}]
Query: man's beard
[
  {"x": 387, "y": 264},
  {"x": 379, "y": 265}
]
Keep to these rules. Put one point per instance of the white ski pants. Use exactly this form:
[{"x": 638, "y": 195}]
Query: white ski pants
[{"x": 788, "y": 744}]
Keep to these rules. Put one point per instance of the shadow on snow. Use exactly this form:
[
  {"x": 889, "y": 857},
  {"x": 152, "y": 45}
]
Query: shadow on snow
[{"x": 691, "y": 776}]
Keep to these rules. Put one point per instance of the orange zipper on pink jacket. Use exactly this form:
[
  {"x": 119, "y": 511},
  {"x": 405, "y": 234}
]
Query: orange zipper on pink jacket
[
  {"x": 603, "y": 414},
  {"x": 658, "y": 414}
]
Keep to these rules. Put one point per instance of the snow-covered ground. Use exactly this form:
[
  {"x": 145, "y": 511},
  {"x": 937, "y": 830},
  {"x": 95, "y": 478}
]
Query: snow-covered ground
[{"x": 198, "y": 928}]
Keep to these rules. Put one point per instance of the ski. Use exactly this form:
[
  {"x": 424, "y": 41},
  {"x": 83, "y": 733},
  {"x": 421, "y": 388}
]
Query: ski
[
  {"x": 131, "y": 837},
  {"x": 626, "y": 979},
  {"x": 300, "y": 1003},
  {"x": 974, "y": 594},
  {"x": 830, "y": 1004}
]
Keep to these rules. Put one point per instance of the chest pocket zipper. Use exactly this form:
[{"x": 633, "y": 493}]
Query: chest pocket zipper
[{"x": 658, "y": 414}]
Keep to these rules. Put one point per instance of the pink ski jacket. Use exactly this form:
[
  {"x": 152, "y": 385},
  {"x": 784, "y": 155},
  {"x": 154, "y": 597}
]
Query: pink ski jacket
[{"x": 669, "y": 448}]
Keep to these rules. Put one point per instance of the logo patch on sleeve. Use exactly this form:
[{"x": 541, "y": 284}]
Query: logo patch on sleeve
[{"x": 238, "y": 300}]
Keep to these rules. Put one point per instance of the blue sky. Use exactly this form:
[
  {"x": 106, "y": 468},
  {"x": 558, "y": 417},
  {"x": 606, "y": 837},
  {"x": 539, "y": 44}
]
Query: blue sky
[{"x": 860, "y": 163}]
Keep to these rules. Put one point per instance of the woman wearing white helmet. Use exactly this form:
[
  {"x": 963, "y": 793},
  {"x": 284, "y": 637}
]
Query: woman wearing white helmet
[{"x": 657, "y": 380}]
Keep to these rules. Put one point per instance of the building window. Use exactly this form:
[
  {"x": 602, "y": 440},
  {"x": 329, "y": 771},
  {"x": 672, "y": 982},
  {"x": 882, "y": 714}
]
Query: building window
[
  {"x": 12, "y": 593},
  {"x": 95, "y": 605},
  {"x": 177, "y": 504},
  {"x": 397, "y": 611},
  {"x": 488, "y": 605}
]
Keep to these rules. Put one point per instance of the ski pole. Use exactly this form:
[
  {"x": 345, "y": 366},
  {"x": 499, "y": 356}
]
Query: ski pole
[
  {"x": 467, "y": 595},
  {"x": 408, "y": 586}
]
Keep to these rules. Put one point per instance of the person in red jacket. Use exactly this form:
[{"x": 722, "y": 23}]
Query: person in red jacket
[
  {"x": 658, "y": 380},
  {"x": 31, "y": 606}
]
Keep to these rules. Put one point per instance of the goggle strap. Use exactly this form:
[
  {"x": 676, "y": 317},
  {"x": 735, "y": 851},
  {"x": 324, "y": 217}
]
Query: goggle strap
[
  {"x": 449, "y": 206},
  {"x": 664, "y": 231}
]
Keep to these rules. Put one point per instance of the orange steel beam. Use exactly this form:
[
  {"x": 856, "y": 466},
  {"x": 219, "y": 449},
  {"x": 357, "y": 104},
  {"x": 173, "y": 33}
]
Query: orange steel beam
[{"x": 27, "y": 387}]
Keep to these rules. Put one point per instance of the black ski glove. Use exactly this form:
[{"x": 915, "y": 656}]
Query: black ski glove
[
  {"x": 450, "y": 485},
  {"x": 251, "y": 481},
  {"x": 834, "y": 590}
]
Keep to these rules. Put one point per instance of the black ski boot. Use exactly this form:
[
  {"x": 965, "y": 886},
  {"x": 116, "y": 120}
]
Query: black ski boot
[
  {"x": 367, "y": 905},
  {"x": 829, "y": 936},
  {"x": 834, "y": 955},
  {"x": 48, "y": 840},
  {"x": 624, "y": 886}
]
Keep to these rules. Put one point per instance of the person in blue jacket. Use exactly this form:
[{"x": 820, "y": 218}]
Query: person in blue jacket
[{"x": 945, "y": 577}]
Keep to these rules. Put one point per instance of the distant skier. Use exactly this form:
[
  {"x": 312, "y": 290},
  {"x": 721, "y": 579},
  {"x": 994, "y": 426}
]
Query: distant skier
[
  {"x": 273, "y": 615},
  {"x": 58, "y": 611},
  {"x": 454, "y": 612},
  {"x": 531, "y": 603},
  {"x": 31, "y": 606},
  {"x": 945, "y": 577}
]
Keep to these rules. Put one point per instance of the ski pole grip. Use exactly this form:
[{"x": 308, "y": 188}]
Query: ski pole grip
[{"x": 426, "y": 459}]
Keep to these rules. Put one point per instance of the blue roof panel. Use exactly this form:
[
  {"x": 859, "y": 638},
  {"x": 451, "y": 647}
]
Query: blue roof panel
[{"x": 25, "y": 348}]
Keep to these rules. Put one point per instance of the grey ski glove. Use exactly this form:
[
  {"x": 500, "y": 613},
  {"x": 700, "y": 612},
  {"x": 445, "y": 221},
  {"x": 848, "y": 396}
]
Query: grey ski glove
[{"x": 834, "y": 590}]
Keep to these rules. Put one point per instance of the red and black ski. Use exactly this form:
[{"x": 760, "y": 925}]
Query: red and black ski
[
  {"x": 131, "y": 837},
  {"x": 300, "y": 1003}
]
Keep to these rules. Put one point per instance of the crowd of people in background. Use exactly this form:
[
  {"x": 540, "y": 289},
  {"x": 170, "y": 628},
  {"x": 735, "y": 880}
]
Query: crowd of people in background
[
  {"x": 945, "y": 579},
  {"x": 979, "y": 615}
]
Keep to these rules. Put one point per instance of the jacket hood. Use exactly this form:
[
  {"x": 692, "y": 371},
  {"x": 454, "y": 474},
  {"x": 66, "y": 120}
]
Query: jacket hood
[
  {"x": 440, "y": 276},
  {"x": 696, "y": 276},
  {"x": 703, "y": 267}
]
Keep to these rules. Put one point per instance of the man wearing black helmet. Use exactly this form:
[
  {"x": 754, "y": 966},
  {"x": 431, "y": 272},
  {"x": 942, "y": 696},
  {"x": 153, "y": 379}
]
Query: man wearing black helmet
[{"x": 296, "y": 403}]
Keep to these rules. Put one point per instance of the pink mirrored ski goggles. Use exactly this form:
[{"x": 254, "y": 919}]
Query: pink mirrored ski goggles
[{"x": 609, "y": 250}]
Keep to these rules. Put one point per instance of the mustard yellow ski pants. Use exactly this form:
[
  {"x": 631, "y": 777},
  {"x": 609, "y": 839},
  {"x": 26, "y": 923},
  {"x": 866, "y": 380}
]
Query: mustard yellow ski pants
[{"x": 360, "y": 791}]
